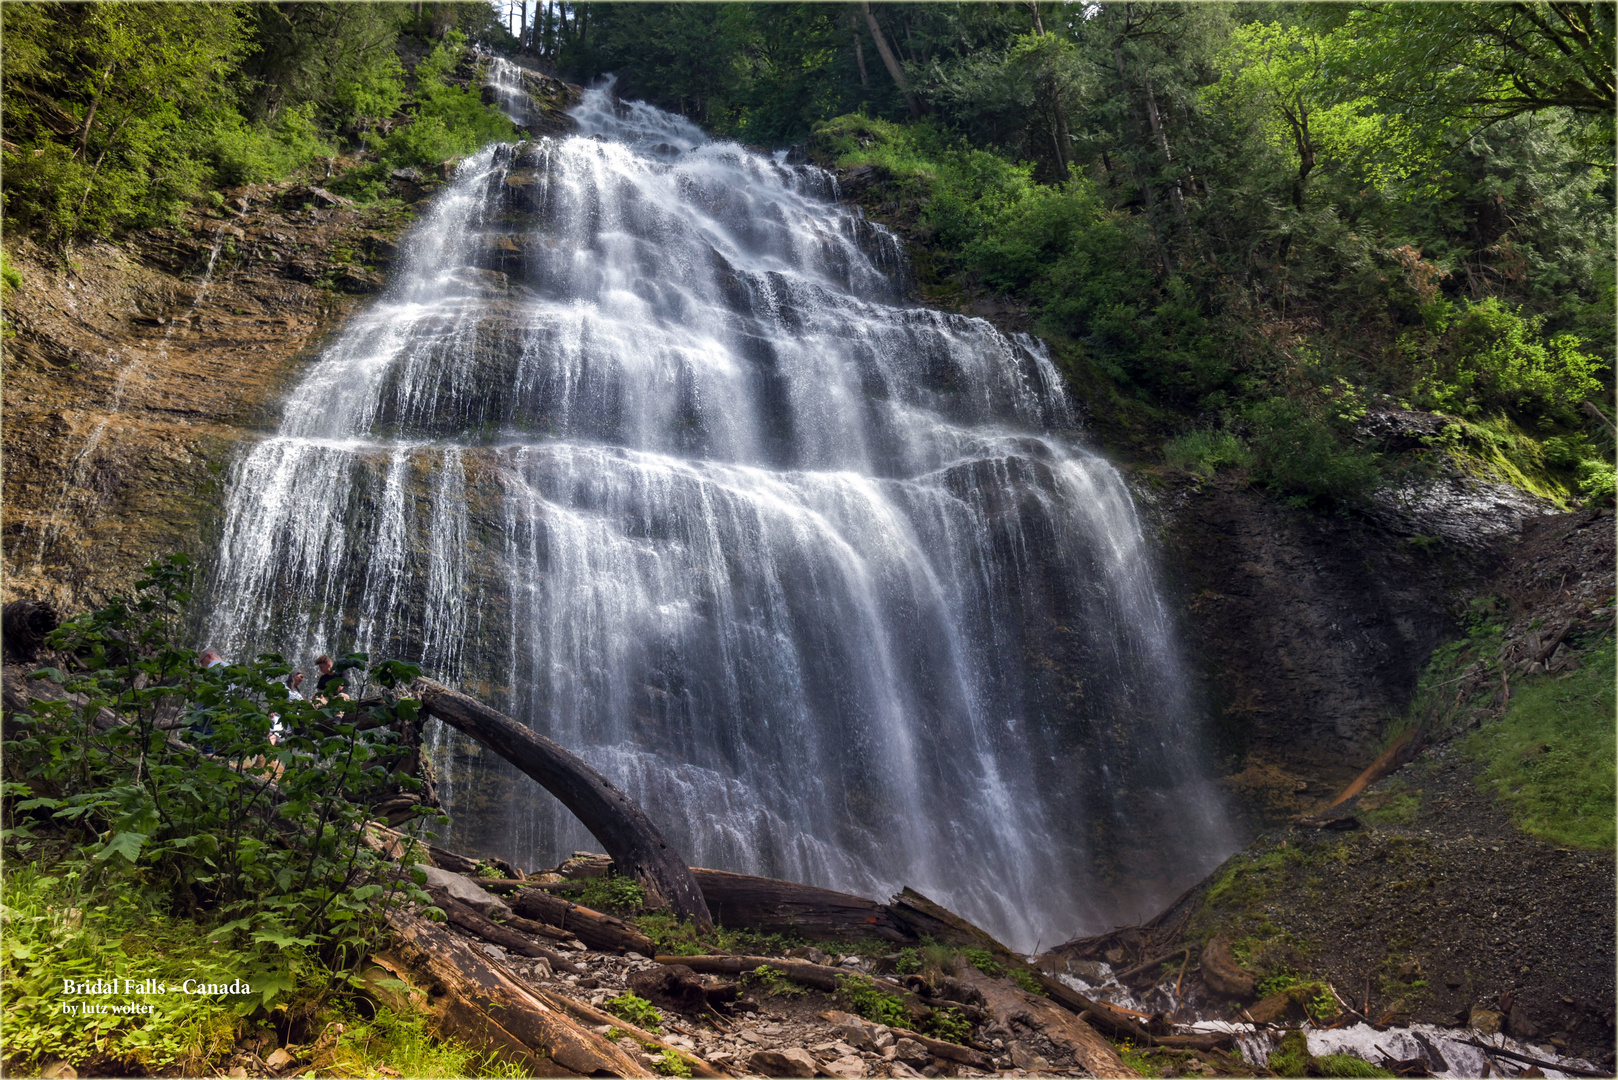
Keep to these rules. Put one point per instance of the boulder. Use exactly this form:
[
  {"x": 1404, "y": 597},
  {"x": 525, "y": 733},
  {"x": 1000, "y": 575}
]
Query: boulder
[
  {"x": 794, "y": 1062},
  {"x": 1220, "y": 970},
  {"x": 464, "y": 889}
]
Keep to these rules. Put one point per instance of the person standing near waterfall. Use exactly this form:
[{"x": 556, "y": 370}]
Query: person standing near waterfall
[{"x": 329, "y": 677}]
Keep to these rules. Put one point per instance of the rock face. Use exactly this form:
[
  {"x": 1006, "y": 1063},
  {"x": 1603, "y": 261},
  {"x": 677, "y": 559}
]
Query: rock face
[
  {"x": 1310, "y": 630},
  {"x": 138, "y": 368}
]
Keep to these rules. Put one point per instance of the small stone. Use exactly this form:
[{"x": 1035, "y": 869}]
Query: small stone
[
  {"x": 911, "y": 1052},
  {"x": 59, "y": 1070},
  {"x": 793, "y": 1062},
  {"x": 279, "y": 1060},
  {"x": 751, "y": 1035},
  {"x": 1484, "y": 1021},
  {"x": 899, "y": 1068},
  {"x": 849, "y": 1065},
  {"x": 635, "y": 956}
]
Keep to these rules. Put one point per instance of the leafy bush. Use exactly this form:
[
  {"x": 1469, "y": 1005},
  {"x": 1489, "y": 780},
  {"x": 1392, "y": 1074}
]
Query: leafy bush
[
  {"x": 878, "y": 1006},
  {"x": 208, "y": 813},
  {"x": 669, "y": 1063},
  {"x": 773, "y": 980},
  {"x": 949, "y": 1024},
  {"x": 984, "y": 961},
  {"x": 636, "y": 1010},
  {"x": 1490, "y": 356},
  {"x": 1304, "y": 457},
  {"x": 252, "y": 154},
  {"x": 1204, "y": 452},
  {"x": 621, "y": 895}
]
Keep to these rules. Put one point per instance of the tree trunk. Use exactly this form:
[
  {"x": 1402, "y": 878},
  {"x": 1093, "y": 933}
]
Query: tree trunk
[
  {"x": 890, "y": 61},
  {"x": 1039, "y": 24},
  {"x": 769, "y": 906},
  {"x": 859, "y": 49},
  {"x": 522, "y": 24},
  {"x": 635, "y": 844},
  {"x": 478, "y": 1001},
  {"x": 1176, "y": 196},
  {"x": 596, "y": 930}
]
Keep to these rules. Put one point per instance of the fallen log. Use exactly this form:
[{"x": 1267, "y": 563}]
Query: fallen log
[
  {"x": 459, "y": 914},
  {"x": 634, "y": 842},
  {"x": 743, "y": 901},
  {"x": 817, "y": 976},
  {"x": 923, "y": 918},
  {"x": 1214, "y": 1041},
  {"x": 595, "y": 929},
  {"x": 477, "y": 1000},
  {"x": 1571, "y": 1070},
  {"x": 948, "y": 1050},
  {"x": 1093, "y": 1052},
  {"x": 591, "y": 1015}
]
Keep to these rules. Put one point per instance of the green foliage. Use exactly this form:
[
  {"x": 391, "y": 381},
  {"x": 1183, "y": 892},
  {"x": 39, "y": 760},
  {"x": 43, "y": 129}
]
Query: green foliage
[
  {"x": 862, "y": 997},
  {"x": 636, "y": 1010},
  {"x": 208, "y": 814},
  {"x": 985, "y": 961},
  {"x": 949, "y": 1024},
  {"x": 909, "y": 962},
  {"x": 58, "y": 928},
  {"x": 1551, "y": 758},
  {"x": 10, "y": 276},
  {"x": 1205, "y": 452},
  {"x": 121, "y": 114},
  {"x": 1135, "y": 1058},
  {"x": 251, "y": 154},
  {"x": 1028, "y": 981},
  {"x": 1292, "y": 1057},
  {"x": 621, "y": 895},
  {"x": 1301, "y": 455},
  {"x": 773, "y": 980},
  {"x": 402, "y": 1044},
  {"x": 669, "y": 1063},
  {"x": 676, "y": 938},
  {"x": 1347, "y": 1065},
  {"x": 1489, "y": 357}
]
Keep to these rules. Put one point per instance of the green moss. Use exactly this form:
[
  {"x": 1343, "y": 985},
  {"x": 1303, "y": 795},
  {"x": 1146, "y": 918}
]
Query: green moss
[
  {"x": 1551, "y": 758},
  {"x": 615, "y": 894},
  {"x": 1346, "y": 1065},
  {"x": 1292, "y": 1057}
]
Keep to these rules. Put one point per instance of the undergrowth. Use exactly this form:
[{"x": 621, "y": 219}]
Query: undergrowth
[{"x": 1551, "y": 758}]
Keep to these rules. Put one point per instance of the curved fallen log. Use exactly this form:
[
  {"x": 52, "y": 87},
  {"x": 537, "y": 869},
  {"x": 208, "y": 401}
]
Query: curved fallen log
[{"x": 634, "y": 842}]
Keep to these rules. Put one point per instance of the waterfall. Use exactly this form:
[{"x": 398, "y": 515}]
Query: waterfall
[{"x": 646, "y": 447}]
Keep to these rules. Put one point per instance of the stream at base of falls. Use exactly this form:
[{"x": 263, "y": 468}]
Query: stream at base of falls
[{"x": 646, "y": 446}]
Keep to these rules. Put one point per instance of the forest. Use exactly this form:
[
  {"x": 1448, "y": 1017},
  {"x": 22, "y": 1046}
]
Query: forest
[{"x": 1239, "y": 225}]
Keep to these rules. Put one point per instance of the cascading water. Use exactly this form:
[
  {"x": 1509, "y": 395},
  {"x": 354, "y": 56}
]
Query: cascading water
[{"x": 646, "y": 448}]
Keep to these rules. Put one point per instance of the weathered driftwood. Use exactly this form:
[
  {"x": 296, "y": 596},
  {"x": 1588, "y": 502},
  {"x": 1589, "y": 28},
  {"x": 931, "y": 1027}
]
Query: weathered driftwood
[
  {"x": 770, "y": 906},
  {"x": 818, "y": 976},
  {"x": 948, "y": 1050},
  {"x": 590, "y": 1015},
  {"x": 1092, "y": 1051},
  {"x": 634, "y": 842},
  {"x": 923, "y": 918},
  {"x": 477, "y": 1000},
  {"x": 595, "y": 929},
  {"x": 507, "y": 937}
]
